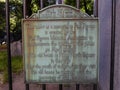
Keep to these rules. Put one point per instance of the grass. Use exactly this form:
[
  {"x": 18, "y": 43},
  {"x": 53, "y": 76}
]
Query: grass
[{"x": 17, "y": 64}]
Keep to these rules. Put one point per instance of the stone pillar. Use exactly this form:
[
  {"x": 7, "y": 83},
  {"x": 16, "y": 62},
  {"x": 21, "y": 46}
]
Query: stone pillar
[{"x": 104, "y": 14}]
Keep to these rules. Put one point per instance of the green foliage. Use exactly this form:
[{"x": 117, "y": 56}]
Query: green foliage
[
  {"x": 3, "y": 61},
  {"x": 5, "y": 76},
  {"x": 71, "y": 2},
  {"x": 35, "y": 4},
  {"x": 17, "y": 65},
  {"x": 2, "y": 17},
  {"x": 48, "y": 2},
  {"x": 85, "y": 5},
  {"x": 16, "y": 14}
]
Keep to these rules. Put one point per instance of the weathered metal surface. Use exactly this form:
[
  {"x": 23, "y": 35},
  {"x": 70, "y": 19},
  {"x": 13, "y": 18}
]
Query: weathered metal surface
[
  {"x": 59, "y": 11},
  {"x": 104, "y": 13},
  {"x": 61, "y": 51}
]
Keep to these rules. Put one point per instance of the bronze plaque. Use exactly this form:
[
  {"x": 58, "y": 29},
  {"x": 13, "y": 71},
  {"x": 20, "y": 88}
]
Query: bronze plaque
[{"x": 60, "y": 50}]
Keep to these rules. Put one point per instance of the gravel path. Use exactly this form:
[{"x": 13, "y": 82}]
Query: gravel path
[{"x": 18, "y": 84}]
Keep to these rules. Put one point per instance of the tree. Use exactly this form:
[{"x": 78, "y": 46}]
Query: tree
[
  {"x": 33, "y": 6},
  {"x": 2, "y": 21},
  {"x": 16, "y": 14},
  {"x": 2, "y": 18},
  {"x": 85, "y": 5}
]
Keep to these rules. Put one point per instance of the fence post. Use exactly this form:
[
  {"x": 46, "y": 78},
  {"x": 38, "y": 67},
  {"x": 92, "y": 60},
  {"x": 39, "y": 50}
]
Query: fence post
[
  {"x": 27, "y": 86},
  {"x": 60, "y": 87},
  {"x": 8, "y": 45},
  {"x": 95, "y": 8},
  {"x": 43, "y": 86},
  {"x": 78, "y": 4},
  {"x": 59, "y": 2},
  {"x": 24, "y": 15},
  {"x": 77, "y": 86},
  {"x": 24, "y": 8},
  {"x": 112, "y": 44},
  {"x": 95, "y": 12},
  {"x": 41, "y": 4},
  {"x": 94, "y": 86}
]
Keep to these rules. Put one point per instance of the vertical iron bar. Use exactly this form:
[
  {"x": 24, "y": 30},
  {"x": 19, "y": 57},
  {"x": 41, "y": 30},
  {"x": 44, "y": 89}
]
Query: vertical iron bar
[
  {"x": 78, "y": 4},
  {"x": 59, "y": 2},
  {"x": 112, "y": 45},
  {"x": 27, "y": 86},
  {"x": 96, "y": 8},
  {"x": 77, "y": 86},
  {"x": 41, "y": 4},
  {"x": 60, "y": 87},
  {"x": 94, "y": 86},
  {"x": 96, "y": 15},
  {"x": 8, "y": 45},
  {"x": 24, "y": 15},
  {"x": 44, "y": 87},
  {"x": 24, "y": 8},
  {"x": 62, "y": 2}
]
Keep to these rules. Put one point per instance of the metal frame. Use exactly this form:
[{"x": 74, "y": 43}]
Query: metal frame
[
  {"x": 78, "y": 7},
  {"x": 60, "y": 86},
  {"x": 8, "y": 45},
  {"x": 96, "y": 8},
  {"x": 113, "y": 18}
]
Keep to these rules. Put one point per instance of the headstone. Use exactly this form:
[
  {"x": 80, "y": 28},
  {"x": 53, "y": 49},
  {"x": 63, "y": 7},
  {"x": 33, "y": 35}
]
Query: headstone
[{"x": 16, "y": 48}]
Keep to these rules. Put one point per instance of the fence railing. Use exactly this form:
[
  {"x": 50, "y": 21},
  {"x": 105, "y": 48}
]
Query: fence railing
[{"x": 60, "y": 85}]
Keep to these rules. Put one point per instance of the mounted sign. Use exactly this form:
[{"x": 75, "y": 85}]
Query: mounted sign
[{"x": 60, "y": 50}]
